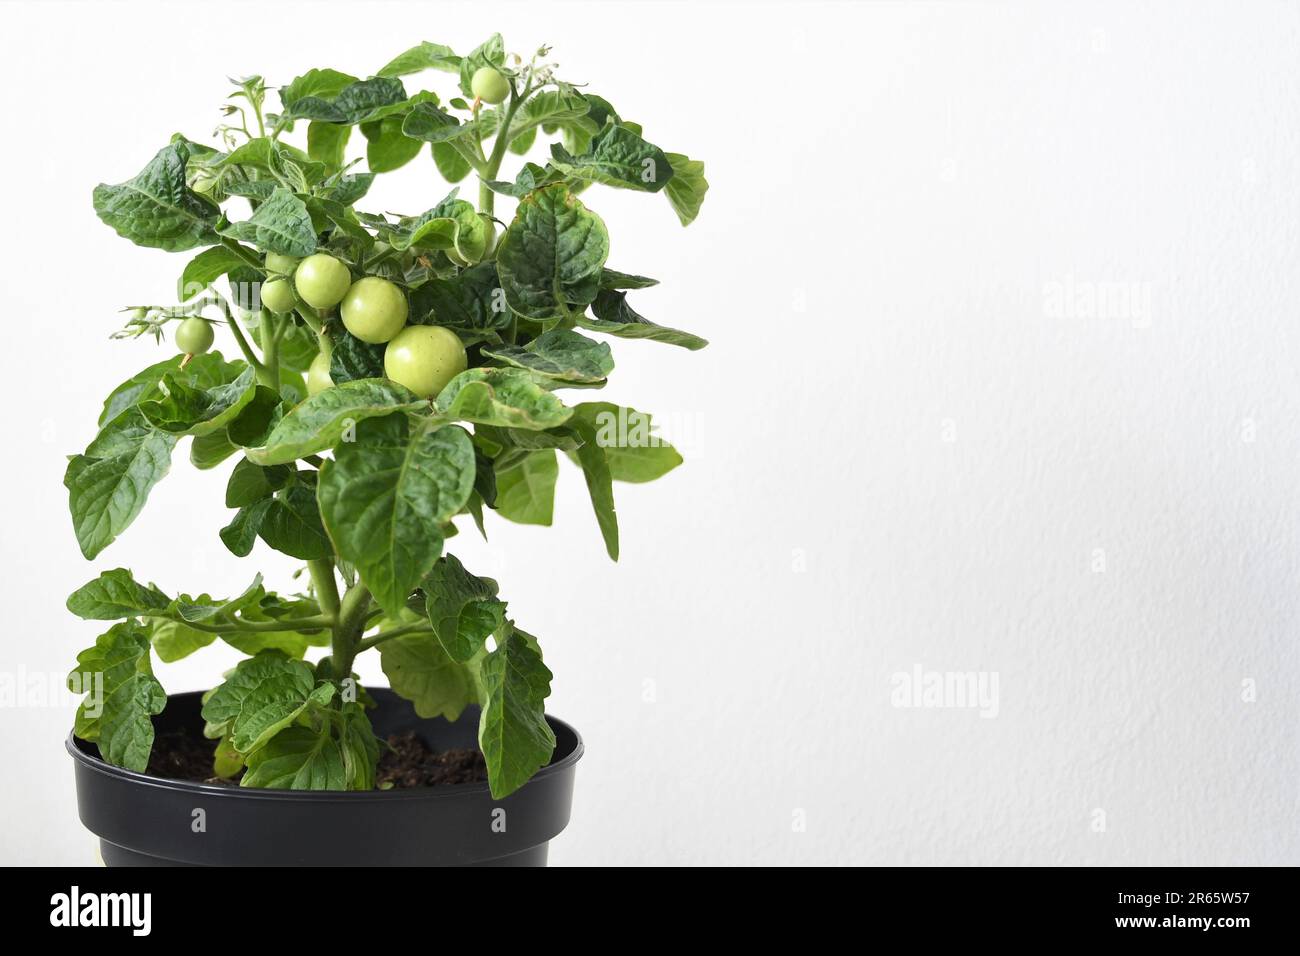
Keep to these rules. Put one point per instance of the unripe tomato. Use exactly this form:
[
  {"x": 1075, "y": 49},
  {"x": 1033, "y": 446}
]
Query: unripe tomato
[
  {"x": 322, "y": 281},
  {"x": 489, "y": 85},
  {"x": 280, "y": 265},
  {"x": 318, "y": 374},
  {"x": 194, "y": 336},
  {"x": 374, "y": 310},
  {"x": 424, "y": 358},
  {"x": 277, "y": 295}
]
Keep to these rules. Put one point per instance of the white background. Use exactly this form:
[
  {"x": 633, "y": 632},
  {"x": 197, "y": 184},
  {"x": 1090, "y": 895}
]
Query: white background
[{"x": 915, "y": 440}]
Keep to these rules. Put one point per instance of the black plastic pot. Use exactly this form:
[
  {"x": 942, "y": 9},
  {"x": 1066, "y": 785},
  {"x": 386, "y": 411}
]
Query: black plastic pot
[{"x": 149, "y": 821}]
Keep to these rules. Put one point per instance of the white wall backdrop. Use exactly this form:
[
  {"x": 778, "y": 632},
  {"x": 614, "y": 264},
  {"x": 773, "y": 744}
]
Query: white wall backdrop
[{"x": 1003, "y": 301}]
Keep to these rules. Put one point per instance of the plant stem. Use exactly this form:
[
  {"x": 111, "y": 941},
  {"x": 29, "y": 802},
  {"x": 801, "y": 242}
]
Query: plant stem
[
  {"x": 326, "y": 588},
  {"x": 348, "y": 627},
  {"x": 368, "y": 642},
  {"x": 487, "y": 198},
  {"x": 263, "y": 627},
  {"x": 269, "y": 373},
  {"x": 249, "y": 355}
]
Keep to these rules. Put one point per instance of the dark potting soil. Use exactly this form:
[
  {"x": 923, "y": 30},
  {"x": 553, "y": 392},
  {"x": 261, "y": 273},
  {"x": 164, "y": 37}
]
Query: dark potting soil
[
  {"x": 406, "y": 762},
  {"x": 410, "y": 763}
]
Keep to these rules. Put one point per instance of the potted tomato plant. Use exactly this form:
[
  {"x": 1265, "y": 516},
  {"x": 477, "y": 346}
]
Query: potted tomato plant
[{"x": 392, "y": 379}]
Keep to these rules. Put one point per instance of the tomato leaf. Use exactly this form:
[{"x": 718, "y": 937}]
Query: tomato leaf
[
  {"x": 281, "y": 224},
  {"x": 122, "y": 696},
  {"x": 560, "y": 356},
  {"x": 513, "y": 733},
  {"x": 617, "y": 157},
  {"x": 526, "y": 488},
  {"x": 595, "y": 469},
  {"x": 418, "y": 669},
  {"x": 633, "y": 451},
  {"x": 109, "y": 484},
  {"x": 500, "y": 396},
  {"x": 385, "y": 497},
  {"x": 550, "y": 258},
  {"x": 614, "y": 316},
  {"x": 687, "y": 187},
  {"x": 155, "y": 208},
  {"x": 264, "y": 695},
  {"x": 425, "y": 56},
  {"x": 322, "y": 421},
  {"x": 462, "y": 607}
]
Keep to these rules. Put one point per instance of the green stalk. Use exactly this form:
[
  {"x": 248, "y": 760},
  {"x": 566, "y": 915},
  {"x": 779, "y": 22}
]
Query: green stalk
[
  {"x": 368, "y": 642},
  {"x": 348, "y": 625},
  {"x": 269, "y": 373},
  {"x": 487, "y": 198},
  {"x": 325, "y": 586},
  {"x": 260, "y": 627}
]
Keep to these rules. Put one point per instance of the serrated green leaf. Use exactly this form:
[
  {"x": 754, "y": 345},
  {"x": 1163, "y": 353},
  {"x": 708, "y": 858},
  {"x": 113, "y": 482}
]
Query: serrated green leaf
[
  {"x": 526, "y": 488},
  {"x": 506, "y": 397},
  {"x": 386, "y": 496},
  {"x": 109, "y": 484},
  {"x": 206, "y": 268},
  {"x": 297, "y": 758},
  {"x": 424, "y": 56},
  {"x": 550, "y": 258},
  {"x": 261, "y": 697},
  {"x": 419, "y": 670},
  {"x": 462, "y": 607},
  {"x": 615, "y": 317},
  {"x": 687, "y": 187},
  {"x": 513, "y": 733},
  {"x": 116, "y": 594},
  {"x": 183, "y": 409},
  {"x": 324, "y": 419},
  {"x": 360, "y": 102},
  {"x": 633, "y": 451},
  {"x": 470, "y": 303},
  {"x": 281, "y": 224},
  {"x": 327, "y": 142},
  {"x": 122, "y": 696},
  {"x": 600, "y": 488},
  {"x": 155, "y": 208},
  {"x": 561, "y": 356},
  {"x": 617, "y": 157},
  {"x": 387, "y": 147},
  {"x": 174, "y": 640}
]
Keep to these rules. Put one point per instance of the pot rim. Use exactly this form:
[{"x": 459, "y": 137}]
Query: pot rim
[{"x": 446, "y": 790}]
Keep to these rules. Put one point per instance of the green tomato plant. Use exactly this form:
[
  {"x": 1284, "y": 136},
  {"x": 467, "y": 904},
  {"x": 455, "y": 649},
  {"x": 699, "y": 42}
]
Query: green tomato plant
[{"x": 395, "y": 373}]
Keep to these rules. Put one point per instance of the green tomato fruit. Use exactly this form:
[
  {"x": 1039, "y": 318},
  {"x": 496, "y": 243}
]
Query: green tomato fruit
[
  {"x": 424, "y": 358},
  {"x": 489, "y": 85},
  {"x": 322, "y": 281},
  {"x": 194, "y": 336},
  {"x": 374, "y": 310},
  {"x": 318, "y": 374},
  {"x": 281, "y": 265},
  {"x": 277, "y": 295}
]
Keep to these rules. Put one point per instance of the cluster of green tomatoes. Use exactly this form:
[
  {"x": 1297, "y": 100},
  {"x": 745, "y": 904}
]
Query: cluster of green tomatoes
[{"x": 424, "y": 358}]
